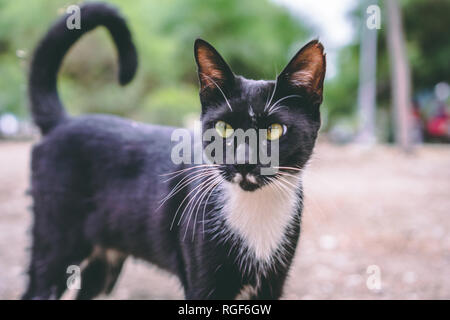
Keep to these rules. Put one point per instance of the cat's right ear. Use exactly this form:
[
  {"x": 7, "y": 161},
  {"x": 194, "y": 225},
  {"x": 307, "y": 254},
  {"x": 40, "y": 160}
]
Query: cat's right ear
[
  {"x": 305, "y": 73},
  {"x": 213, "y": 72}
]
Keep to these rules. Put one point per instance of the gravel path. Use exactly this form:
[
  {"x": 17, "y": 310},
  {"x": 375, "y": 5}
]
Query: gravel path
[{"x": 370, "y": 215}]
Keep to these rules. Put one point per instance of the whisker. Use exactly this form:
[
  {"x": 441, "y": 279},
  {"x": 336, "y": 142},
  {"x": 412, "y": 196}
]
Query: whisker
[
  {"x": 204, "y": 187},
  {"x": 273, "y": 110},
  {"x": 267, "y": 100},
  {"x": 284, "y": 98},
  {"x": 197, "y": 200},
  {"x": 289, "y": 168},
  {"x": 287, "y": 181},
  {"x": 210, "y": 191},
  {"x": 182, "y": 184},
  {"x": 274, "y": 186},
  {"x": 186, "y": 197},
  {"x": 206, "y": 203},
  {"x": 187, "y": 169},
  {"x": 226, "y": 100},
  {"x": 202, "y": 170},
  {"x": 198, "y": 204},
  {"x": 187, "y": 183},
  {"x": 287, "y": 189},
  {"x": 273, "y": 93},
  {"x": 288, "y": 175}
]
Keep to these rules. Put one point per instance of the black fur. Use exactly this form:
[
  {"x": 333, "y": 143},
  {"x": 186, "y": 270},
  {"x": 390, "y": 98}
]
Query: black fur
[{"x": 97, "y": 180}]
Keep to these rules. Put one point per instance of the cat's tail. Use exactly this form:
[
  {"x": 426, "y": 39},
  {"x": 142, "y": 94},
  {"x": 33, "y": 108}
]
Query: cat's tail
[{"x": 46, "y": 107}]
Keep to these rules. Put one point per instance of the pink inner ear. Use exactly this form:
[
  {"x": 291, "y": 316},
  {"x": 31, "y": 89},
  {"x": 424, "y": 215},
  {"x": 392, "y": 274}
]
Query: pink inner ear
[
  {"x": 310, "y": 68},
  {"x": 209, "y": 72},
  {"x": 302, "y": 78}
]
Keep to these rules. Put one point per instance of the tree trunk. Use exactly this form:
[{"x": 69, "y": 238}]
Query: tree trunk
[
  {"x": 367, "y": 80},
  {"x": 400, "y": 76}
]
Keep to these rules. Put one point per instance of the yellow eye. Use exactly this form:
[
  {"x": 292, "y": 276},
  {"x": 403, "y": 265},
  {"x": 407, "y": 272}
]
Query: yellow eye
[
  {"x": 275, "y": 131},
  {"x": 224, "y": 129}
]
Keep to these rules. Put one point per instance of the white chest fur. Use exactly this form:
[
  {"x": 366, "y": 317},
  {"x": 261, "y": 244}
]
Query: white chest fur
[{"x": 260, "y": 218}]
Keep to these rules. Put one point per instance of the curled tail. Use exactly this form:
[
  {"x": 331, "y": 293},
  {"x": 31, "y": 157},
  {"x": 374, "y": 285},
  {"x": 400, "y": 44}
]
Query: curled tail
[{"x": 46, "y": 107}]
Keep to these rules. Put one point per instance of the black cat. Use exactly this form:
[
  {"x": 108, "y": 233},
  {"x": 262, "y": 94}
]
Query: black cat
[{"x": 105, "y": 188}]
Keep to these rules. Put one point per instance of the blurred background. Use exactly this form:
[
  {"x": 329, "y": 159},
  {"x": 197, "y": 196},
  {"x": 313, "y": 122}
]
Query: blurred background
[{"x": 376, "y": 222}]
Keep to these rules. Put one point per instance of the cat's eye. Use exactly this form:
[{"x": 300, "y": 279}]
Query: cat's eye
[
  {"x": 275, "y": 131},
  {"x": 224, "y": 129}
]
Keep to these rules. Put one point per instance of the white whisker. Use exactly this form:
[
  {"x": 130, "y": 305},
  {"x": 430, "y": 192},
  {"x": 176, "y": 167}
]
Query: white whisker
[
  {"x": 203, "y": 185},
  {"x": 186, "y": 197},
  {"x": 182, "y": 183},
  {"x": 274, "y": 186},
  {"x": 206, "y": 203},
  {"x": 271, "y": 111},
  {"x": 282, "y": 99},
  {"x": 288, "y": 182},
  {"x": 290, "y": 168},
  {"x": 178, "y": 172},
  {"x": 199, "y": 202},
  {"x": 226, "y": 100},
  {"x": 273, "y": 93},
  {"x": 203, "y": 170},
  {"x": 288, "y": 175}
]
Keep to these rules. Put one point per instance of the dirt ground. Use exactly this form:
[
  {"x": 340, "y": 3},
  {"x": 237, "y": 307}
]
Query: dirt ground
[{"x": 371, "y": 214}]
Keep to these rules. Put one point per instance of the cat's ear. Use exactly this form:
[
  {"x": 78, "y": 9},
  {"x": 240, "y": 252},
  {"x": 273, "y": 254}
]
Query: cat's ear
[
  {"x": 306, "y": 71},
  {"x": 213, "y": 72}
]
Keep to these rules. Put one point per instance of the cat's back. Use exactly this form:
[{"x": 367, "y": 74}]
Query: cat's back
[
  {"x": 96, "y": 143},
  {"x": 108, "y": 129}
]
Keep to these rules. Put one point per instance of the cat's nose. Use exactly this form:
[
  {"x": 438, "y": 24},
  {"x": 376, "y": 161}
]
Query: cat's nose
[{"x": 244, "y": 169}]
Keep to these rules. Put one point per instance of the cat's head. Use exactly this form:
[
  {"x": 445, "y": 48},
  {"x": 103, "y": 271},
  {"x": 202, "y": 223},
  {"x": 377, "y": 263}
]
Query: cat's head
[{"x": 287, "y": 107}]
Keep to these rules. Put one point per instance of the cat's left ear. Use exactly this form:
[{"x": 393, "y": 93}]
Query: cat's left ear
[{"x": 306, "y": 71}]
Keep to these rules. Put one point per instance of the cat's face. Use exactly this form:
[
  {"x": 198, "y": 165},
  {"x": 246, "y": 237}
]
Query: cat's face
[{"x": 288, "y": 108}]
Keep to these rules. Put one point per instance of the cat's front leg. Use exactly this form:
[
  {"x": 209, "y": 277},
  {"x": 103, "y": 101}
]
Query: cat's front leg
[
  {"x": 229, "y": 291},
  {"x": 218, "y": 284},
  {"x": 211, "y": 293},
  {"x": 269, "y": 289}
]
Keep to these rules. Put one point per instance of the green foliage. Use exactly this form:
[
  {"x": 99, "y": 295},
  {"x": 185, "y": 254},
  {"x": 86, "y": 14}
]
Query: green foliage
[
  {"x": 255, "y": 37},
  {"x": 427, "y": 23},
  {"x": 168, "y": 104},
  {"x": 428, "y": 50},
  {"x": 340, "y": 93}
]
